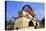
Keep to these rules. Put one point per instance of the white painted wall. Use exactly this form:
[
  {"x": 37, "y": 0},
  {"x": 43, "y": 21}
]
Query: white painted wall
[{"x": 21, "y": 22}]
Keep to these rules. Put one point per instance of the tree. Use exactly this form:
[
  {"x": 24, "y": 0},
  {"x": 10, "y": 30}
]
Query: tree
[{"x": 43, "y": 20}]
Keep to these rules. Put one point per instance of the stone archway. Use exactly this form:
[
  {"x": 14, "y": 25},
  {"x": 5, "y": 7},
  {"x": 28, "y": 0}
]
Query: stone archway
[
  {"x": 36, "y": 24},
  {"x": 31, "y": 24}
]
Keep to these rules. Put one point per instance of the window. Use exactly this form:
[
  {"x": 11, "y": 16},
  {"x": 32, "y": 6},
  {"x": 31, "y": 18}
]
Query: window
[{"x": 27, "y": 15}]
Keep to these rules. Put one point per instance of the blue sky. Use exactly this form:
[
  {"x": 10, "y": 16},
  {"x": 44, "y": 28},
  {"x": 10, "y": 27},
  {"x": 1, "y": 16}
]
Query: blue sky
[{"x": 14, "y": 6}]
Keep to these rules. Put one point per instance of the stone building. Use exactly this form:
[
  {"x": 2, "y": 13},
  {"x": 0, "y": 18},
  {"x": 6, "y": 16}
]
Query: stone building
[{"x": 26, "y": 18}]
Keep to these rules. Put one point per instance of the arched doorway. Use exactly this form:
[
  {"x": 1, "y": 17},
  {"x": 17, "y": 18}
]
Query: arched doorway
[
  {"x": 36, "y": 25},
  {"x": 31, "y": 23}
]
